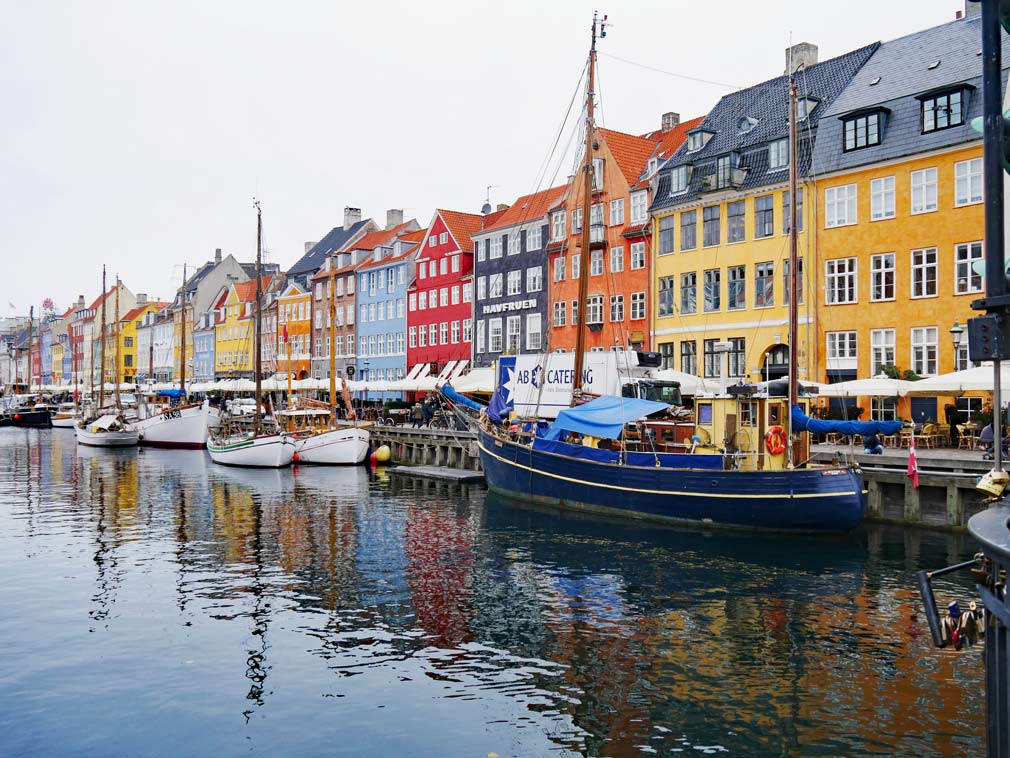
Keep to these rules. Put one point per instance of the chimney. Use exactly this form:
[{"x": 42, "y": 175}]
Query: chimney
[
  {"x": 141, "y": 298},
  {"x": 972, "y": 9},
  {"x": 309, "y": 246},
  {"x": 670, "y": 120},
  {"x": 394, "y": 217},
  {"x": 351, "y": 216},
  {"x": 80, "y": 302},
  {"x": 800, "y": 55},
  {"x": 217, "y": 255},
  {"x": 502, "y": 207}
]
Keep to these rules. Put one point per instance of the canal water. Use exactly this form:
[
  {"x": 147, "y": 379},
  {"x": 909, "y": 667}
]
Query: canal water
[{"x": 154, "y": 603}]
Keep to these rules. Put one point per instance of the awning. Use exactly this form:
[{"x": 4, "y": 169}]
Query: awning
[{"x": 603, "y": 417}]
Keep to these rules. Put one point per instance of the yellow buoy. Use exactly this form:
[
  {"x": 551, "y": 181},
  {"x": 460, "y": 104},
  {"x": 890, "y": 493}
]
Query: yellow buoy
[{"x": 383, "y": 454}]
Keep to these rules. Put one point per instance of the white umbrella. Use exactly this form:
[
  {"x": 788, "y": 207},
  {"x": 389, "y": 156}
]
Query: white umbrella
[
  {"x": 689, "y": 383},
  {"x": 978, "y": 379},
  {"x": 478, "y": 380},
  {"x": 876, "y": 386}
]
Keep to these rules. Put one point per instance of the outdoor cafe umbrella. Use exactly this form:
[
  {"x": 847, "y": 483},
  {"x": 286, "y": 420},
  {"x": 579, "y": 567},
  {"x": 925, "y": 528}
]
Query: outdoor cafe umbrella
[
  {"x": 876, "y": 386},
  {"x": 978, "y": 379}
]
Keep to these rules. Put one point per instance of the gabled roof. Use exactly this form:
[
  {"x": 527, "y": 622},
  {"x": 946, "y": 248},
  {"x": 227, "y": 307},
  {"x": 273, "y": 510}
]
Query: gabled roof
[
  {"x": 246, "y": 291},
  {"x": 630, "y": 152},
  {"x": 386, "y": 261},
  {"x": 525, "y": 208},
  {"x": 667, "y": 143},
  {"x": 415, "y": 236},
  {"x": 132, "y": 314},
  {"x": 336, "y": 239},
  {"x": 462, "y": 226},
  {"x": 380, "y": 238}
]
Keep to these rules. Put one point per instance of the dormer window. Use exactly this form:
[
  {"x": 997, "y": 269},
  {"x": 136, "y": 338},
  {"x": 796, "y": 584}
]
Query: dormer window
[
  {"x": 778, "y": 154},
  {"x": 679, "y": 179},
  {"x": 863, "y": 130},
  {"x": 652, "y": 166},
  {"x": 942, "y": 110},
  {"x": 697, "y": 139},
  {"x": 805, "y": 106},
  {"x": 745, "y": 124}
]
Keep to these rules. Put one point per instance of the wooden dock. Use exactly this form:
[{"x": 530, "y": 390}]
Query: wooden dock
[
  {"x": 438, "y": 472},
  {"x": 429, "y": 447}
]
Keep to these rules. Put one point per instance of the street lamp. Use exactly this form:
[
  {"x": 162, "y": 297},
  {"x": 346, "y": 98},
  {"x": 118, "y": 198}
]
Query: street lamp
[{"x": 956, "y": 335}]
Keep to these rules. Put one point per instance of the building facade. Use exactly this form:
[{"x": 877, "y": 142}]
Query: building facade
[{"x": 294, "y": 331}]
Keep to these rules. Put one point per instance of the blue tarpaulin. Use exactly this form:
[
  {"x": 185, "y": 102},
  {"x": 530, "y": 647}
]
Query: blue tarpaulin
[
  {"x": 450, "y": 394},
  {"x": 603, "y": 417},
  {"x": 171, "y": 393},
  {"x": 802, "y": 422},
  {"x": 498, "y": 408}
]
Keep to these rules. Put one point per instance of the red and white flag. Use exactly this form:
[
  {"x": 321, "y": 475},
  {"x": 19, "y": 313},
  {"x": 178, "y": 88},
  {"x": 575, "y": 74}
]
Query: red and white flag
[
  {"x": 285, "y": 334},
  {"x": 913, "y": 463}
]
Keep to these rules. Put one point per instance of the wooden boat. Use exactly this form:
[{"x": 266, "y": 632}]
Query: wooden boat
[
  {"x": 182, "y": 426},
  {"x": 110, "y": 430},
  {"x": 319, "y": 442},
  {"x": 65, "y": 416}
]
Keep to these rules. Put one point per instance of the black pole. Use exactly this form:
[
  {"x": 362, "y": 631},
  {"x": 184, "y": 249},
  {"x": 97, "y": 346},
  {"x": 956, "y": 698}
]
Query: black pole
[{"x": 992, "y": 162}]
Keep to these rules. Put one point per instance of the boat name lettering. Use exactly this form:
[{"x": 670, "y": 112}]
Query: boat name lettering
[{"x": 169, "y": 415}]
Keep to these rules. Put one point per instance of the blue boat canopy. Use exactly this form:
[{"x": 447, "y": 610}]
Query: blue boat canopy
[
  {"x": 450, "y": 394},
  {"x": 803, "y": 422},
  {"x": 603, "y": 417},
  {"x": 171, "y": 393}
]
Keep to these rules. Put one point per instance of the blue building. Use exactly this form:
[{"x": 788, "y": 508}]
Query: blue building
[
  {"x": 382, "y": 314},
  {"x": 46, "y": 351},
  {"x": 204, "y": 335}
]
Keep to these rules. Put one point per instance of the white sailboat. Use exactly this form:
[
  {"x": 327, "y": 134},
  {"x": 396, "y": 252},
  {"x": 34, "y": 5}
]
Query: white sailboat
[{"x": 245, "y": 442}]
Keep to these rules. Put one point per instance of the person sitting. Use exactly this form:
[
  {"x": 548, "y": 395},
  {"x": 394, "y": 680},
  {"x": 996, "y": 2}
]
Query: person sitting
[
  {"x": 985, "y": 440},
  {"x": 872, "y": 445}
]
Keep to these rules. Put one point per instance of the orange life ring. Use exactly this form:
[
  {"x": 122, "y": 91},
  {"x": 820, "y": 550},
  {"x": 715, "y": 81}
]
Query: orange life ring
[{"x": 775, "y": 440}]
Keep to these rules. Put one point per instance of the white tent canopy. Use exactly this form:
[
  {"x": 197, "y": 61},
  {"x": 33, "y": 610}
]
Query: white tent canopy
[
  {"x": 877, "y": 386},
  {"x": 478, "y": 380},
  {"x": 689, "y": 383},
  {"x": 978, "y": 379}
]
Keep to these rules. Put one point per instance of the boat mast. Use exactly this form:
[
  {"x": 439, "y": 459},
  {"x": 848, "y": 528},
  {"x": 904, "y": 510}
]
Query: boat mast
[
  {"x": 333, "y": 342},
  {"x": 115, "y": 378},
  {"x": 182, "y": 337},
  {"x": 257, "y": 420},
  {"x": 101, "y": 345},
  {"x": 587, "y": 202},
  {"x": 31, "y": 339},
  {"x": 793, "y": 274}
]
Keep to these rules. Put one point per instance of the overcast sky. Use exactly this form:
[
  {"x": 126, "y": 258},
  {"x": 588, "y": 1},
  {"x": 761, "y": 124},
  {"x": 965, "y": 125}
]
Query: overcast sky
[{"x": 137, "y": 133}]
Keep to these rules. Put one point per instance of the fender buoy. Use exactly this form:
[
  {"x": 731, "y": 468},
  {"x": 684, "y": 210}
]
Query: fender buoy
[
  {"x": 383, "y": 454},
  {"x": 17, "y": 416},
  {"x": 295, "y": 457},
  {"x": 775, "y": 440}
]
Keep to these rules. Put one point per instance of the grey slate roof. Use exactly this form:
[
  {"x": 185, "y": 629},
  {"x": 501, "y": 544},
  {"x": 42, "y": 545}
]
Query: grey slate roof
[
  {"x": 768, "y": 103},
  {"x": 336, "y": 239},
  {"x": 902, "y": 66}
]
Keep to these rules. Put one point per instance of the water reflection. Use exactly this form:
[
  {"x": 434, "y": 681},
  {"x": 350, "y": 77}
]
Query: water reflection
[{"x": 283, "y": 606}]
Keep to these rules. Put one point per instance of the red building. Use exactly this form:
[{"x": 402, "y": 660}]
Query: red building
[{"x": 440, "y": 299}]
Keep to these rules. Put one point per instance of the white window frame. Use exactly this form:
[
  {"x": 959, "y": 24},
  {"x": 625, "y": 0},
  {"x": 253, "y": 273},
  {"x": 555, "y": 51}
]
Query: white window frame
[
  {"x": 839, "y": 272},
  {"x": 617, "y": 211},
  {"x": 479, "y": 344},
  {"x": 637, "y": 306},
  {"x": 616, "y": 308},
  {"x": 965, "y": 253},
  {"x": 637, "y": 256},
  {"x": 882, "y": 264},
  {"x": 925, "y": 184},
  {"x": 778, "y": 154},
  {"x": 513, "y": 333},
  {"x": 882, "y": 198},
  {"x": 533, "y": 238},
  {"x": 514, "y": 282},
  {"x": 495, "y": 285},
  {"x": 560, "y": 312},
  {"x": 558, "y": 225},
  {"x": 639, "y": 206},
  {"x": 534, "y": 279},
  {"x": 926, "y": 340},
  {"x": 920, "y": 272},
  {"x": 844, "y": 198},
  {"x": 968, "y": 177},
  {"x": 534, "y": 332},
  {"x": 617, "y": 259}
]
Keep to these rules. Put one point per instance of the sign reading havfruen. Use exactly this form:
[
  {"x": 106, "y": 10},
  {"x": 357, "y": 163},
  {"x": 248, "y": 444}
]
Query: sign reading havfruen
[{"x": 512, "y": 305}]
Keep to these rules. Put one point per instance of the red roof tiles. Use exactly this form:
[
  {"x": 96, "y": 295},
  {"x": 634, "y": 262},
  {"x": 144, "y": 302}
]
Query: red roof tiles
[
  {"x": 528, "y": 207},
  {"x": 246, "y": 291},
  {"x": 462, "y": 226}
]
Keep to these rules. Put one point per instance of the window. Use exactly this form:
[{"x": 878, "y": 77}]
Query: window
[
  {"x": 637, "y": 306},
  {"x": 534, "y": 336},
  {"x": 597, "y": 173},
  {"x": 737, "y": 357},
  {"x": 467, "y": 330},
  {"x": 696, "y": 140},
  {"x": 617, "y": 308},
  {"x": 639, "y": 207},
  {"x": 637, "y": 256},
  {"x": 882, "y": 277},
  {"x": 495, "y": 285},
  {"x": 688, "y": 230},
  {"x": 841, "y": 345},
  {"x": 431, "y": 268},
  {"x": 666, "y": 235},
  {"x": 576, "y": 259},
  {"x": 665, "y": 304},
  {"x": 534, "y": 279},
  {"x": 713, "y": 290},
  {"x": 479, "y": 346},
  {"x": 454, "y": 259},
  {"x": 924, "y": 190},
  {"x": 454, "y": 333},
  {"x": 710, "y": 230},
  {"x": 841, "y": 281},
  {"x": 391, "y": 278},
  {"x": 533, "y": 238},
  {"x": 786, "y": 220},
  {"x": 454, "y": 295},
  {"x": 965, "y": 278},
  {"x": 432, "y": 334},
  {"x": 724, "y": 165},
  {"x": 595, "y": 262},
  {"x": 421, "y": 271},
  {"x": 764, "y": 216},
  {"x": 594, "y": 309},
  {"x": 575, "y": 312},
  {"x": 481, "y": 288},
  {"x": 515, "y": 282},
  {"x": 515, "y": 246},
  {"x": 319, "y": 319},
  {"x": 924, "y": 341},
  {"x": 467, "y": 292},
  {"x": 576, "y": 220},
  {"x": 616, "y": 260},
  {"x": 559, "y": 269},
  {"x": 443, "y": 296},
  {"x": 363, "y": 313},
  {"x": 494, "y": 247},
  {"x": 778, "y": 154},
  {"x": 411, "y": 337},
  {"x": 764, "y": 285},
  {"x": 942, "y": 111},
  {"x": 495, "y": 336},
  {"x": 513, "y": 326},
  {"x": 381, "y": 346},
  {"x": 422, "y": 336},
  {"x": 861, "y": 131},
  {"x": 479, "y": 249},
  {"x": 666, "y": 352},
  {"x": 558, "y": 225},
  {"x": 560, "y": 311},
  {"x": 678, "y": 180},
  {"x": 882, "y": 198},
  {"x": 735, "y": 221},
  {"x": 443, "y": 238},
  {"x": 924, "y": 266},
  {"x": 338, "y": 345},
  {"x": 689, "y": 357},
  {"x": 968, "y": 182},
  {"x": 712, "y": 359},
  {"x": 596, "y": 214},
  {"x": 737, "y": 288},
  {"x": 839, "y": 206},
  {"x": 689, "y": 293}
]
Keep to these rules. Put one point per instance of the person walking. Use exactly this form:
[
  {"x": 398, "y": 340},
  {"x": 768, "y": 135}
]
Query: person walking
[{"x": 417, "y": 416}]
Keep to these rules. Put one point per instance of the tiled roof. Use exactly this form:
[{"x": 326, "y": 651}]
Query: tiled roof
[
  {"x": 373, "y": 240},
  {"x": 246, "y": 291},
  {"x": 462, "y": 226},
  {"x": 131, "y": 315},
  {"x": 766, "y": 104},
  {"x": 98, "y": 300},
  {"x": 527, "y": 208},
  {"x": 667, "y": 144},
  {"x": 335, "y": 240},
  {"x": 630, "y": 152},
  {"x": 415, "y": 236},
  {"x": 901, "y": 70}
]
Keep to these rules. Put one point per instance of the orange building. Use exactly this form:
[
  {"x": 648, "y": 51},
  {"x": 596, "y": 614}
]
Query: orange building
[{"x": 294, "y": 330}]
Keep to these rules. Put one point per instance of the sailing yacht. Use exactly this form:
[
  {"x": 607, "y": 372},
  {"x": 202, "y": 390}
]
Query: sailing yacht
[
  {"x": 627, "y": 455},
  {"x": 245, "y": 441}
]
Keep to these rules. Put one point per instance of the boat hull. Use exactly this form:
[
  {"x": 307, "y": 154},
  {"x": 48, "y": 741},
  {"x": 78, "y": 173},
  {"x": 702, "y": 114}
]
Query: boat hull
[
  {"x": 265, "y": 451},
  {"x": 181, "y": 428},
  {"x": 125, "y": 438},
  {"x": 64, "y": 422},
  {"x": 799, "y": 500},
  {"x": 30, "y": 419},
  {"x": 346, "y": 446}
]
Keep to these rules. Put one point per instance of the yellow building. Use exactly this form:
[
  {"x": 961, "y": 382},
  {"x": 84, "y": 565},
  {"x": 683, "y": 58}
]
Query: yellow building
[
  {"x": 721, "y": 230},
  {"x": 233, "y": 349},
  {"x": 57, "y": 351},
  {"x": 129, "y": 360},
  {"x": 900, "y": 220}
]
